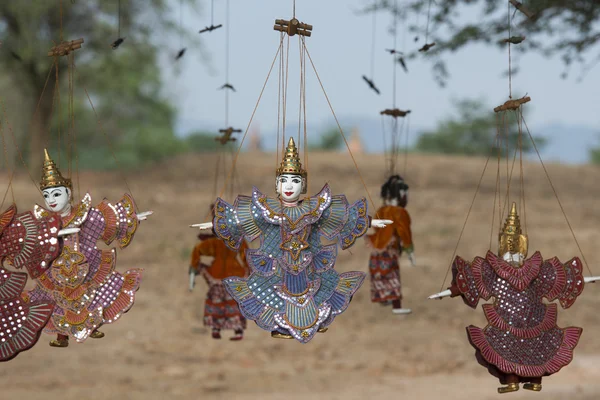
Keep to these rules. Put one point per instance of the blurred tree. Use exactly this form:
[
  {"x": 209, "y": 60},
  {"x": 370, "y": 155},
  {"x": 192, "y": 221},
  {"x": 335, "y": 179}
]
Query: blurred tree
[
  {"x": 473, "y": 132},
  {"x": 124, "y": 84},
  {"x": 330, "y": 140},
  {"x": 595, "y": 155},
  {"x": 199, "y": 142},
  {"x": 569, "y": 29}
]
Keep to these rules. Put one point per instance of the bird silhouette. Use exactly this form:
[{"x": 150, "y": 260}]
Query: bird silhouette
[
  {"x": 210, "y": 28},
  {"x": 403, "y": 63},
  {"x": 371, "y": 84},
  {"x": 227, "y": 86},
  {"x": 117, "y": 43}
]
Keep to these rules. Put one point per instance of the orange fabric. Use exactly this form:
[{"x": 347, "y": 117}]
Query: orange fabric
[
  {"x": 225, "y": 263},
  {"x": 400, "y": 229}
]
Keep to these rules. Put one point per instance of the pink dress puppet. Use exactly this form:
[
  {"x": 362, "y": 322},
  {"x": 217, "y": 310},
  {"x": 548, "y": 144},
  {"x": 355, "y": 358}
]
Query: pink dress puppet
[
  {"x": 82, "y": 281},
  {"x": 521, "y": 342},
  {"x": 31, "y": 244}
]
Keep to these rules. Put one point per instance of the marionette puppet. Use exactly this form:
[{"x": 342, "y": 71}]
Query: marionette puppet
[
  {"x": 82, "y": 281},
  {"x": 521, "y": 342},
  {"x": 29, "y": 243},
  {"x": 388, "y": 244},
  {"x": 293, "y": 290},
  {"x": 220, "y": 310}
]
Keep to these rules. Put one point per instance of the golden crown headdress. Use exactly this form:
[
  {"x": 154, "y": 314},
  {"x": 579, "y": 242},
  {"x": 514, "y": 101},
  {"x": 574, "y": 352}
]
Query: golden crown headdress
[
  {"x": 51, "y": 176},
  {"x": 511, "y": 238},
  {"x": 291, "y": 163}
]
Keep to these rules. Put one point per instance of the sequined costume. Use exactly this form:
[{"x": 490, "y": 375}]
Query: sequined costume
[
  {"x": 25, "y": 242},
  {"x": 388, "y": 244},
  {"x": 522, "y": 336},
  {"x": 521, "y": 342},
  {"x": 220, "y": 309},
  {"x": 293, "y": 288},
  {"x": 82, "y": 281}
]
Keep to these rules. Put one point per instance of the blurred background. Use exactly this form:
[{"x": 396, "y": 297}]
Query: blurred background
[{"x": 145, "y": 120}]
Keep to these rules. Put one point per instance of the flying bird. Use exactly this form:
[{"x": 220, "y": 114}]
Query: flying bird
[
  {"x": 117, "y": 43},
  {"x": 227, "y": 86},
  {"x": 371, "y": 84},
  {"x": 180, "y": 54},
  {"x": 210, "y": 28}
]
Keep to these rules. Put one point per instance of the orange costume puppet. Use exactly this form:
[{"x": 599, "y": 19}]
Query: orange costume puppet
[
  {"x": 388, "y": 245},
  {"x": 221, "y": 310}
]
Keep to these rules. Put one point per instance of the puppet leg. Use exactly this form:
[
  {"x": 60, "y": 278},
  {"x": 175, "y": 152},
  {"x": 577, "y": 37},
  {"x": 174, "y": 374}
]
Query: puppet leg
[
  {"x": 534, "y": 384},
  {"x": 60, "y": 341}
]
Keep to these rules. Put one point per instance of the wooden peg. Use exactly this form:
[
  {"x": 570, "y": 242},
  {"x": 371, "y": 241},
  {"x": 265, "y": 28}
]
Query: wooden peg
[
  {"x": 226, "y": 137},
  {"x": 522, "y": 8},
  {"x": 395, "y": 112},
  {"x": 426, "y": 47},
  {"x": 293, "y": 27},
  {"x": 65, "y": 48},
  {"x": 512, "y": 104}
]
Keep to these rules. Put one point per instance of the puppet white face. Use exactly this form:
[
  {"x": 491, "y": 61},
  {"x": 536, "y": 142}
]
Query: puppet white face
[
  {"x": 57, "y": 198},
  {"x": 391, "y": 202},
  {"x": 289, "y": 187}
]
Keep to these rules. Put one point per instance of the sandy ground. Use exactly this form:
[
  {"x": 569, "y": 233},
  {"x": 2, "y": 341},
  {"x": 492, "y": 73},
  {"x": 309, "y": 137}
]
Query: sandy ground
[{"x": 160, "y": 350}]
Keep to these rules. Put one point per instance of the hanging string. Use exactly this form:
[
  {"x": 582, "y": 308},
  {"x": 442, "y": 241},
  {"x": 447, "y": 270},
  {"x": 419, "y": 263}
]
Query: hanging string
[
  {"x": 497, "y": 187},
  {"x": 406, "y": 144},
  {"x": 61, "y": 20},
  {"x": 518, "y": 115},
  {"x": 119, "y": 16},
  {"x": 467, "y": 218},
  {"x": 427, "y": 28},
  {"x": 556, "y": 195},
  {"x": 340, "y": 128},
  {"x": 294, "y": 11},
  {"x": 373, "y": 41},
  {"x": 509, "y": 58},
  {"x": 180, "y": 24},
  {"x": 108, "y": 141},
  {"x": 229, "y": 176},
  {"x": 6, "y": 163},
  {"x": 212, "y": 12},
  {"x": 304, "y": 108},
  {"x": 279, "y": 94},
  {"x": 285, "y": 92},
  {"x": 227, "y": 62}
]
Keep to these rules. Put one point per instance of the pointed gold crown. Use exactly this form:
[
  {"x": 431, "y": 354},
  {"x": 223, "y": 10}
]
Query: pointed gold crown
[
  {"x": 291, "y": 161},
  {"x": 51, "y": 176},
  {"x": 511, "y": 238}
]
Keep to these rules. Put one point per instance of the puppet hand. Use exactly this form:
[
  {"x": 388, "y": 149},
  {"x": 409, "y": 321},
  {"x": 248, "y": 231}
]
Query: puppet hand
[
  {"x": 591, "y": 279},
  {"x": 143, "y": 216},
  {"x": 204, "y": 225},
  {"x": 68, "y": 231},
  {"x": 412, "y": 258},
  {"x": 380, "y": 223},
  {"x": 440, "y": 295}
]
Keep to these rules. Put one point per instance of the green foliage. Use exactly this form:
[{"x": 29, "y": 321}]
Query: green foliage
[
  {"x": 472, "y": 131},
  {"x": 330, "y": 140},
  {"x": 199, "y": 142},
  {"x": 568, "y": 29},
  {"x": 595, "y": 155},
  {"x": 124, "y": 84}
]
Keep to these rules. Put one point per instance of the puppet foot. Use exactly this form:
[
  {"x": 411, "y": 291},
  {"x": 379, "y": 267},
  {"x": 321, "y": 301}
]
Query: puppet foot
[
  {"x": 216, "y": 334},
  {"x": 536, "y": 387},
  {"x": 402, "y": 311},
  {"x": 60, "y": 341},
  {"x": 96, "y": 334},
  {"x": 279, "y": 335},
  {"x": 322, "y": 330},
  {"x": 511, "y": 387},
  {"x": 239, "y": 335}
]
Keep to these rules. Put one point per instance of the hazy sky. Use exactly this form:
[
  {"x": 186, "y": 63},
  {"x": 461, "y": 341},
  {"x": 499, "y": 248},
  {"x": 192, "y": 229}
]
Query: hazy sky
[{"x": 341, "y": 49}]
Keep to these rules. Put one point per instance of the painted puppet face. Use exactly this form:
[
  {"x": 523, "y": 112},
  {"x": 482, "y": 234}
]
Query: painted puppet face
[
  {"x": 57, "y": 198},
  {"x": 289, "y": 187}
]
